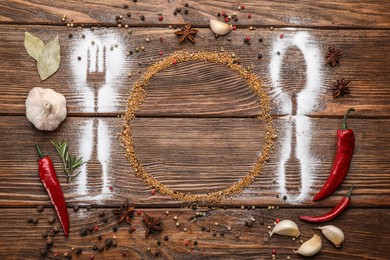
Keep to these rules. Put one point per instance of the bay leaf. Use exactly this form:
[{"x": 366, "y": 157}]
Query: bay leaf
[
  {"x": 33, "y": 45},
  {"x": 50, "y": 59}
]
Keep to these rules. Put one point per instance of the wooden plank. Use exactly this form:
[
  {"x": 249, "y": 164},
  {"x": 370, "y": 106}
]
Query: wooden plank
[
  {"x": 345, "y": 14},
  {"x": 197, "y": 89},
  {"x": 24, "y": 240},
  {"x": 194, "y": 155}
]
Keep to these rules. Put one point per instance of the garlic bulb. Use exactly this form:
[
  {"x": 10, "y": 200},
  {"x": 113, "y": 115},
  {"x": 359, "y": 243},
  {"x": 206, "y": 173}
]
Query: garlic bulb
[
  {"x": 220, "y": 28},
  {"x": 333, "y": 234},
  {"x": 286, "y": 228},
  {"x": 310, "y": 247},
  {"x": 45, "y": 108}
]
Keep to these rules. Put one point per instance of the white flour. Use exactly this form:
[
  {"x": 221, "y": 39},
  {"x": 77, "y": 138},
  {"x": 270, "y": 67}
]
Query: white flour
[
  {"x": 102, "y": 58},
  {"x": 307, "y": 102}
]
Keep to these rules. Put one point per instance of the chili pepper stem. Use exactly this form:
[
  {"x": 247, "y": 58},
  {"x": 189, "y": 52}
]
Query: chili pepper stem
[
  {"x": 350, "y": 191},
  {"x": 344, "y": 125},
  {"x": 39, "y": 151}
]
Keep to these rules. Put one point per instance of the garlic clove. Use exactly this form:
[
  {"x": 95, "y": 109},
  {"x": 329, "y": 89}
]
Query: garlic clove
[
  {"x": 286, "y": 228},
  {"x": 333, "y": 234},
  {"x": 310, "y": 247},
  {"x": 45, "y": 108},
  {"x": 220, "y": 28}
]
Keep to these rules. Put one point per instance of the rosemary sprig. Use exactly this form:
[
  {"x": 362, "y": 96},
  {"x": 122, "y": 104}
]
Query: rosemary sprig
[{"x": 69, "y": 163}]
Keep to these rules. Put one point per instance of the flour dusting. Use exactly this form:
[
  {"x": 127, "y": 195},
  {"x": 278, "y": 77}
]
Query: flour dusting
[{"x": 307, "y": 102}]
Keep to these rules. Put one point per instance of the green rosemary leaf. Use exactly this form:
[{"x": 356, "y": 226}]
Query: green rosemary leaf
[{"x": 69, "y": 163}]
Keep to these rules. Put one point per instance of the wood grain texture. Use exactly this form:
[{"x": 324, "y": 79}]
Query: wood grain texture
[
  {"x": 212, "y": 91},
  {"x": 194, "y": 155},
  {"x": 345, "y": 14},
  {"x": 250, "y": 244}
]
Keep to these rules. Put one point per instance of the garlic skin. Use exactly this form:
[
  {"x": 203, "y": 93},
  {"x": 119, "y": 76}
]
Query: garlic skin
[
  {"x": 45, "y": 108},
  {"x": 220, "y": 28},
  {"x": 333, "y": 234},
  {"x": 286, "y": 228},
  {"x": 310, "y": 247}
]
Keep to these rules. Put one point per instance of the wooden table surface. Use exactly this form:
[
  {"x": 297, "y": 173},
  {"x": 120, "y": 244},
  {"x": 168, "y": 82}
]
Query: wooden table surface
[{"x": 197, "y": 130}]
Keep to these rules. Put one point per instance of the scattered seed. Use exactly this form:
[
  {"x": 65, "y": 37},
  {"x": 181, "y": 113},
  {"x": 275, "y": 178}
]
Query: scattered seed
[
  {"x": 40, "y": 208},
  {"x": 156, "y": 254},
  {"x": 142, "y": 17},
  {"x": 125, "y": 6},
  {"x": 79, "y": 250},
  {"x": 44, "y": 234},
  {"x": 83, "y": 231},
  {"x": 158, "y": 242},
  {"x": 229, "y": 228},
  {"x": 221, "y": 233},
  {"x": 177, "y": 224},
  {"x": 243, "y": 207},
  {"x": 108, "y": 242},
  {"x": 185, "y": 229},
  {"x": 301, "y": 241},
  {"x": 115, "y": 228},
  {"x": 284, "y": 197},
  {"x": 35, "y": 221},
  {"x": 43, "y": 252},
  {"x": 195, "y": 243},
  {"x": 214, "y": 234},
  {"x": 186, "y": 5},
  {"x": 100, "y": 237},
  {"x": 185, "y": 11},
  {"x": 70, "y": 36},
  {"x": 129, "y": 15}
]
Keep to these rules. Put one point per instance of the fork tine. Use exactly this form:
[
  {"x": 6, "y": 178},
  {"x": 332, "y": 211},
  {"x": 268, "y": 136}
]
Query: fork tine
[
  {"x": 88, "y": 60},
  {"x": 97, "y": 58},
  {"x": 104, "y": 58}
]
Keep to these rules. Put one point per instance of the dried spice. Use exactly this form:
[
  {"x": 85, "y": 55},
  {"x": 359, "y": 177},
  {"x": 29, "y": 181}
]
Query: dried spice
[
  {"x": 186, "y": 33},
  {"x": 340, "y": 87},
  {"x": 332, "y": 56},
  {"x": 125, "y": 212},
  {"x": 138, "y": 95},
  {"x": 152, "y": 224}
]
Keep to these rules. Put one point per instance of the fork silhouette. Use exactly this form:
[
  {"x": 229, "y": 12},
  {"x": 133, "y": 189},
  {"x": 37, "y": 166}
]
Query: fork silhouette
[{"x": 95, "y": 79}]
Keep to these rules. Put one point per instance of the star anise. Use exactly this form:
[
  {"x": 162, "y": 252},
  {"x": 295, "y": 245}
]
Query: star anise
[
  {"x": 340, "y": 87},
  {"x": 332, "y": 56},
  {"x": 186, "y": 33},
  {"x": 152, "y": 224},
  {"x": 125, "y": 212}
]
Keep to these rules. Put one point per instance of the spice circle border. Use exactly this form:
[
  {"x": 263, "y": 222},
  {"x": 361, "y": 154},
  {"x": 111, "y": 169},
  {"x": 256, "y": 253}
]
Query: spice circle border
[{"x": 138, "y": 95}]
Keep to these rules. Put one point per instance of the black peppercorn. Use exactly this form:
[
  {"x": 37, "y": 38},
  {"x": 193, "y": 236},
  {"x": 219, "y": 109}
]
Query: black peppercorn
[
  {"x": 108, "y": 242},
  {"x": 79, "y": 58},
  {"x": 178, "y": 10},
  {"x": 70, "y": 36},
  {"x": 142, "y": 17},
  {"x": 35, "y": 221},
  {"x": 222, "y": 233},
  {"x": 115, "y": 228},
  {"x": 156, "y": 254},
  {"x": 56, "y": 229},
  {"x": 185, "y": 11},
  {"x": 129, "y": 15},
  {"x": 135, "y": 1},
  {"x": 95, "y": 247},
  {"x": 79, "y": 250},
  {"x": 203, "y": 229},
  {"x": 43, "y": 252},
  {"x": 166, "y": 238},
  {"x": 100, "y": 248},
  {"x": 83, "y": 231},
  {"x": 40, "y": 208},
  {"x": 125, "y": 6},
  {"x": 284, "y": 197},
  {"x": 195, "y": 243},
  {"x": 235, "y": 19},
  {"x": 278, "y": 53},
  {"x": 51, "y": 219},
  {"x": 186, "y": 5},
  {"x": 49, "y": 241},
  {"x": 219, "y": 14},
  {"x": 100, "y": 237},
  {"x": 214, "y": 234},
  {"x": 158, "y": 242},
  {"x": 259, "y": 56},
  {"x": 260, "y": 39},
  {"x": 174, "y": 13},
  {"x": 44, "y": 234}
]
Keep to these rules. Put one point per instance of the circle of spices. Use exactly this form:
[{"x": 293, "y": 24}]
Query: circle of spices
[{"x": 138, "y": 95}]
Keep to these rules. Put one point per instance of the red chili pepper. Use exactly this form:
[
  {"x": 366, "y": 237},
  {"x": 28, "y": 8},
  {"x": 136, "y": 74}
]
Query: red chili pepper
[
  {"x": 345, "y": 147},
  {"x": 343, "y": 204},
  {"x": 50, "y": 182}
]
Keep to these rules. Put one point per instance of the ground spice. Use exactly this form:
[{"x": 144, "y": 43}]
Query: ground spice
[{"x": 138, "y": 95}]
